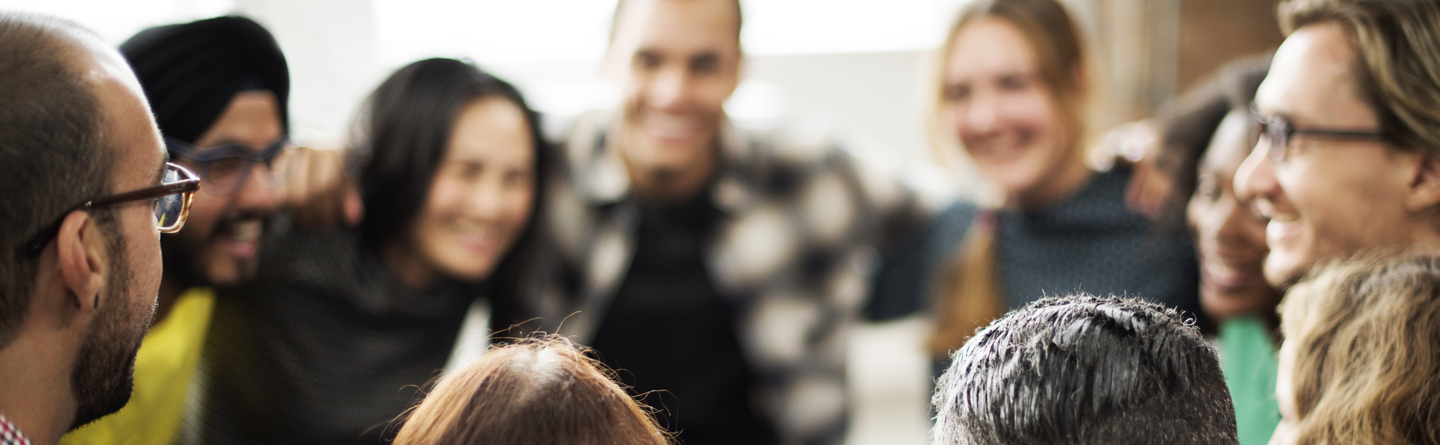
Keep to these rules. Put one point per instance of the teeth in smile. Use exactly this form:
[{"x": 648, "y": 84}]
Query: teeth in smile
[
  {"x": 246, "y": 231},
  {"x": 470, "y": 228},
  {"x": 671, "y": 127},
  {"x": 1002, "y": 146},
  {"x": 1277, "y": 228}
]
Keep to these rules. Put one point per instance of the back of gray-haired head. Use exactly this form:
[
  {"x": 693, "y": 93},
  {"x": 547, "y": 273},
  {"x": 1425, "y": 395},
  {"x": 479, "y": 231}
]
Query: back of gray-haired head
[{"x": 1085, "y": 370}]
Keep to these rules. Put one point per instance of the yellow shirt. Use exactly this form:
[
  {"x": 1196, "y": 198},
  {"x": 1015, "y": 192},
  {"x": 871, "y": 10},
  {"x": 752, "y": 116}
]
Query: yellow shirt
[{"x": 163, "y": 368}]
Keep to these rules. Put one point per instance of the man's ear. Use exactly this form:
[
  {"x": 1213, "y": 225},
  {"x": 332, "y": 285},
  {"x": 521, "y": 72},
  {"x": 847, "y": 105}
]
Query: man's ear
[{"x": 82, "y": 259}]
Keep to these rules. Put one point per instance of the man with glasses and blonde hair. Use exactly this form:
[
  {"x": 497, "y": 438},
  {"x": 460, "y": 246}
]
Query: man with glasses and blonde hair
[
  {"x": 1349, "y": 155},
  {"x": 87, "y": 193},
  {"x": 219, "y": 89}
]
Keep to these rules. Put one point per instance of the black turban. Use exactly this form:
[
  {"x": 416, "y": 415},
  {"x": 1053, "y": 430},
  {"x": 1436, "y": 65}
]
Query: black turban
[{"x": 191, "y": 71}]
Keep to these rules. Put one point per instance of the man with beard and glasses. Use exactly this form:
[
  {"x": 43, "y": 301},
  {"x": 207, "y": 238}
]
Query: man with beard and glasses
[
  {"x": 219, "y": 89},
  {"x": 717, "y": 269},
  {"x": 87, "y": 191}
]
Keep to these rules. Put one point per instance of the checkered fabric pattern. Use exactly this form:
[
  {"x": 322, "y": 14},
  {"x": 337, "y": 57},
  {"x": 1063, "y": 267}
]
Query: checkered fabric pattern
[
  {"x": 801, "y": 222},
  {"x": 10, "y": 435}
]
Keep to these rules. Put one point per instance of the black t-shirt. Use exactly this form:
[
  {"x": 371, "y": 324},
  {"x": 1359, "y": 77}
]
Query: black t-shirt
[{"x": 671, "y": 336}]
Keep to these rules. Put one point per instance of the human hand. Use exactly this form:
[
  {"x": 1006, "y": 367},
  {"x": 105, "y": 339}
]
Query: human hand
[
  {"x": 1136, "y": 145},
  {"x": 319, "y": 195}
]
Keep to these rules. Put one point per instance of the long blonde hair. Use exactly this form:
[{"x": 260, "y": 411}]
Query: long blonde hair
[
  {"x": 969, "y": 296},
  {"x": 1366, "y": 338},
  {"x": 540, "y": 390}
]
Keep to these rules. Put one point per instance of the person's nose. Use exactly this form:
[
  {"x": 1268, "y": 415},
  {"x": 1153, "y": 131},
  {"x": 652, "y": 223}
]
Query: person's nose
[
  {"x": 485, "y": 198},
  {"x": 258, "y": 193},
  {"x": 980, "y": 114},
  {"x": 1233, "y": 220},
  {"x": 1256, "y": 176},
  {"x": 669, "y": 88}
]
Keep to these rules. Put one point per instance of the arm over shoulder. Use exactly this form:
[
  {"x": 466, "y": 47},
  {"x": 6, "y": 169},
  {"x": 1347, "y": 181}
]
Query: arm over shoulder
[{"x": 902, "y": 286}]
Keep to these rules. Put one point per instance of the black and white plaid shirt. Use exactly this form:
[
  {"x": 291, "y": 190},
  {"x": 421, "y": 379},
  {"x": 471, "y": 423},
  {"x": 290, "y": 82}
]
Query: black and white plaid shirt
[{"x": 793, "y": 250}]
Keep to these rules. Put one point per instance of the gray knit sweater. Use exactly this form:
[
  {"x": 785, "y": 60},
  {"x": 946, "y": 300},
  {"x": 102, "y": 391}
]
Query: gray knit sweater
[{"x": 1088, "y": 242}]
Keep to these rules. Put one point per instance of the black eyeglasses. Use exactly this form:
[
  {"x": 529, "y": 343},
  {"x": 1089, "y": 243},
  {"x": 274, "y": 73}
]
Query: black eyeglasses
[
  {"x": 172, "y": 205},
  {"x": 226, "y": 168},
  {"x": 1277, "y": 132}
]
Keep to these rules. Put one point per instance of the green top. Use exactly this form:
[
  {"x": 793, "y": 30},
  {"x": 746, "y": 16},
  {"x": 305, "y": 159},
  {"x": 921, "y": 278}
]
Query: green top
[{"x": 1248, "y": 356}]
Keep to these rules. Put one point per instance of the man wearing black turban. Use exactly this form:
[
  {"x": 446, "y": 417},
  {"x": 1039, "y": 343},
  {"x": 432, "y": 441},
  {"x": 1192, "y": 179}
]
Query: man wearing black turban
[{"x": 218, "y": 88}]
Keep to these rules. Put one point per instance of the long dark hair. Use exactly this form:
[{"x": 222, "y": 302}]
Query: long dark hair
[
  {"x": 401, "y": 137},
  {"x": 1189, "y": 125}
]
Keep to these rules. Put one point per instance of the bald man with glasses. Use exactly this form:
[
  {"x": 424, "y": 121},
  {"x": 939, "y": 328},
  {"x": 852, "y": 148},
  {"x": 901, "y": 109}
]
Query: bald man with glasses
[
  {"x": 88, "y": 190},
  {"x": 218, "y": 88}
]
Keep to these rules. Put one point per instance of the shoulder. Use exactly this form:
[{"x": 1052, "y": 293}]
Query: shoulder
[
  {"x": 800, "y": 159},
  {"x": 1097, "y": 210},
  {"x": 790, "y": 145},
  {"x": 950, "y": 225},
  {"x": 958, "y": 214},
  {"x": 936, "y": 242}
]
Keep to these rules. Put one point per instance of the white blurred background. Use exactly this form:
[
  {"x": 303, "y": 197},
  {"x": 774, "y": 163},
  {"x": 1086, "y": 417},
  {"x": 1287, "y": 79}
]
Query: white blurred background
[
  {"x": 856, "y": 64},
  {"x": 854, "y": 68}
]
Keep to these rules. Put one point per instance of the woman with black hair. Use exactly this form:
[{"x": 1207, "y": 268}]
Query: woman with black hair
[
  {"x": 1206, "y": 136},
  {"x": 343, "y": 325}
]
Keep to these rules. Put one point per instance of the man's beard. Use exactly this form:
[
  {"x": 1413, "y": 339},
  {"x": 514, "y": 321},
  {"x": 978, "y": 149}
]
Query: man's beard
[
  {"x": 104, "y": 373},
  {"x": 184, "y": 258},
  {"x": 181, "y": 269}
]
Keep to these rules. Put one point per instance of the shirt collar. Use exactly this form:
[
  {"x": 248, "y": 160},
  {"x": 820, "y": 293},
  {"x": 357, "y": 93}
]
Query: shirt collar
[{"x": 10, "y": 434}]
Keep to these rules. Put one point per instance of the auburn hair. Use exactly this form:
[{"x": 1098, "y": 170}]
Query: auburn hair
[{"x": 538, "y": 390}]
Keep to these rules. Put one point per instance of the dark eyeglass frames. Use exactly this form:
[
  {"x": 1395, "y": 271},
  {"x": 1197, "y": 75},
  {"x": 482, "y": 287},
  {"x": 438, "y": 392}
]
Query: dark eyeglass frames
[
  {"x": 172, "y": 205},
  {"x": 226, "y": 168},
  {"x": 1276, "y": 132}
]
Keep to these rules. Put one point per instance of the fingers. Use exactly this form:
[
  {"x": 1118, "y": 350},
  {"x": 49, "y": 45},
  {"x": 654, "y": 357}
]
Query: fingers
[
  {"x": 354, "y": 207},
  {"x": 1148, "y": 189},
  {"x": 296, "y": 164},
  {"x": 319, "y": 195}
]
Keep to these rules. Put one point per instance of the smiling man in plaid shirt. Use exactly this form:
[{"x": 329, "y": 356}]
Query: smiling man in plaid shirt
[{"x": 719, "y": 267}]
